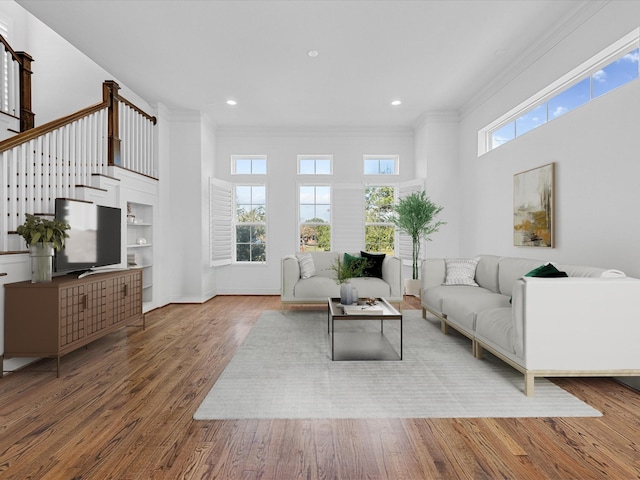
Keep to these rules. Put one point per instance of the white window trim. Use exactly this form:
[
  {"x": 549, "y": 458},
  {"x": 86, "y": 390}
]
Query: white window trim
[
  {"x": 248, "y": 157},
  {"x": 396, "y": 193},
  {"x": 331, "y": 206},
  {"x": 315, "y": 157},
  {"x": 592, "y": 65},
  {"x": 394, "y": 157},
  {"x": 235, "y": 223}
]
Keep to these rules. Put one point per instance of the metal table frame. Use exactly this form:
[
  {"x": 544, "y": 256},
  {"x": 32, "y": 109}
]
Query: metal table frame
[{"x": 335, "y": 312}]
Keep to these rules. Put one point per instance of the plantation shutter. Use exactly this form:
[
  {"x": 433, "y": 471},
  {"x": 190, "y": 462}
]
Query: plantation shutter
[
  {"x": 220, "y": 222},
  {"x": 347, "y": 230},
  {"x": 405, "y": 244}
]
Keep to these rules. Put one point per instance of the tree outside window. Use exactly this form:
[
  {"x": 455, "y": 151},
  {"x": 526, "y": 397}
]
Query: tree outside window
[
  {"x": 251, "y": 229},
  {"x": 379, "y": 232},
  {"x": 315, "y": 218}
]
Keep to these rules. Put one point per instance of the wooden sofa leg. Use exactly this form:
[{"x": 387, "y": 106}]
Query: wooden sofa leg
[
  {"x": 444, "y": 328},
  {"x": 476, "y": 349},
  {"x": 424, "y": 312},
  {"x": 529, "y": 382}
]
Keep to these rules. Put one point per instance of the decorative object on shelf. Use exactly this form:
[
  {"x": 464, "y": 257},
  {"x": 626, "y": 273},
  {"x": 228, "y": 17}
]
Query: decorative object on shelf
[
  {"x": 533, "y": 207},
  {"x": 133, "y": 259},
  {"x": 131, "y": 218},
  {"x": 345, "y": 271},
  {"x": 43, "y": 236},
  {"x": 415, "y": 216},
  {"x": 141, "y": 241}
]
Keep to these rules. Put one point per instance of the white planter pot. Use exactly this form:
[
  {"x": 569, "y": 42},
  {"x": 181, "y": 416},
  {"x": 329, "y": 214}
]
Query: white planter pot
[{"x": 412, "y": 287}]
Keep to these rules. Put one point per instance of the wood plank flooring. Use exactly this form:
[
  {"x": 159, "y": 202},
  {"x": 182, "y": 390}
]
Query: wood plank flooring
[{"x": 122, "y": 409}]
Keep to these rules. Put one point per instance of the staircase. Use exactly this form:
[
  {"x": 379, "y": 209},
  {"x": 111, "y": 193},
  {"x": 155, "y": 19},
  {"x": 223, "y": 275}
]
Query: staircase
[{"x": 73, "y": 157}]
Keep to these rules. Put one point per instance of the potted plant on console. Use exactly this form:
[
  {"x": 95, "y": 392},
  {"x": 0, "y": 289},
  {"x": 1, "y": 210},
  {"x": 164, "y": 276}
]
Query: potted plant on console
[
  {"x": 42, "y": 237},
  {"x": 415, "y": 216}
]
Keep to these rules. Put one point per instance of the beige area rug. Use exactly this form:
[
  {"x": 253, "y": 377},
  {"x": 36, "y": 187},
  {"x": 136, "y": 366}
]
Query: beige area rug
[{"x": 284, "y": 370}]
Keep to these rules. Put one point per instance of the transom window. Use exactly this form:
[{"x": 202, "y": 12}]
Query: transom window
[
  {"x": 250, "y": 223},
  {"x": 380, "y": 164},
  {"x": 315, "y": 164},
  {"x": 315, "y": 218},
  {"x": 606, "y": 71},
  {"x": 248, "y": 164},
  {"x": 379, "y": 232}
]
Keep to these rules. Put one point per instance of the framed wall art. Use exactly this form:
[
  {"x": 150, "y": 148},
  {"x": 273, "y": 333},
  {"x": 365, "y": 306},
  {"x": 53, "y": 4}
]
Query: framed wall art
[{"x": 533, "y": 198}]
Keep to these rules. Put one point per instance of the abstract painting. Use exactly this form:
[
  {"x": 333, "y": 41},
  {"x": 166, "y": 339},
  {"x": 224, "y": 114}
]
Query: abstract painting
[{"x": 533, "y": 198}]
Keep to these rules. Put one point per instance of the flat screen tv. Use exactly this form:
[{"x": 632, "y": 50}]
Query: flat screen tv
[{"x": 94, "y": 237}]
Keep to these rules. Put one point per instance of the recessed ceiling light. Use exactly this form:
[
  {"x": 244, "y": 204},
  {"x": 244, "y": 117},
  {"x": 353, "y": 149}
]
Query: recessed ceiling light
[
  {"x": 232, "y": 103},
  {"x": 395, "y": 103},
  {"x": 312, "y": 53}
]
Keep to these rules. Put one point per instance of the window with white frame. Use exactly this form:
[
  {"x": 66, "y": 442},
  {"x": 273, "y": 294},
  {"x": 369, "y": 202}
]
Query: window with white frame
[
  {"x": 248, "y": 164},
  {"x": 379, "y": 232},
  {"x": 250, "y": 223},
  {"x": 380, "y": 164},
  {"x": 315, "y": 164},
  {"x": 314, "y": 207},
  {"x": 606, "y": 71}
]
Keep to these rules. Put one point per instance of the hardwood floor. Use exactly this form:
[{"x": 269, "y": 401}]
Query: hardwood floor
[{"x": 122, "y": 409}]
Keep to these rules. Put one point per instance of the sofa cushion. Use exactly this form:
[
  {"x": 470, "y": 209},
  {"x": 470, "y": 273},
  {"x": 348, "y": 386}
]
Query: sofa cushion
[
  {"x": 307, "y": 267},
  {"x": 371, "y": 287},
  {"x": 511, "y": 269},
  {"x": 374, "y": 264},
  {"x": 461, "y": 271},
  {"x": 465, "y": 308},
  {"x": 582, "y": 271},
  {"x": 495, "y": 325},
  {"x": 487, "y": 272},
  {"x": 316, "y": 287},
  {"x": 434, "y": 296}
]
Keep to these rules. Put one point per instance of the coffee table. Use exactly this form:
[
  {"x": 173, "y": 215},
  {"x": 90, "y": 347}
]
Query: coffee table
[{"x": 358, "y": 345}]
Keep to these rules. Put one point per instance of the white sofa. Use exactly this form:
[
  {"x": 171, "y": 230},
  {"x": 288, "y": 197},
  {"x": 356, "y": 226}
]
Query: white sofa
[
  {"x": 585, "y": 325},
  {"x": 296, "y": 290}
]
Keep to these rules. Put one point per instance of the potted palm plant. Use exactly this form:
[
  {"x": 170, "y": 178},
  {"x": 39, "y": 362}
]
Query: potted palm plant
[
  {"x": 415, "y": 216},
  {"x": 43, "y": 236}
]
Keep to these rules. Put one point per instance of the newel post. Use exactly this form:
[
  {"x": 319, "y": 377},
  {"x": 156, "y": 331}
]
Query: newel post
[
  {"x": 27, "y": 117},
  {"x": 110, "y": 96}
]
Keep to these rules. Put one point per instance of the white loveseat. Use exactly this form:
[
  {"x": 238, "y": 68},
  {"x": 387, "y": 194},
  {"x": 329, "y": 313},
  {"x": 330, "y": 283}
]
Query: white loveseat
[
  {"x": 585, "y": 325},
  {"x": 319, "y": 287}
]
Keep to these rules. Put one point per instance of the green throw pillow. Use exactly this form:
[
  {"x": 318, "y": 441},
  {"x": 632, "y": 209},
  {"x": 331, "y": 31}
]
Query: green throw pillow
[
  {"x": 352, "y": 261},
  {"x": 547, "y": 270}
]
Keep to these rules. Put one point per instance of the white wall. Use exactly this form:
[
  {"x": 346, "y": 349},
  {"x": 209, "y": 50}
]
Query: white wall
[
  {"x": 182, "y": 226},
  {"x": 282, "y": 148},
  {"x": 436, "y": 154},
  {"x": 207, "y": 169},
  {"x": 595, "y": 148},
  {"x": 64, "y": 79}
]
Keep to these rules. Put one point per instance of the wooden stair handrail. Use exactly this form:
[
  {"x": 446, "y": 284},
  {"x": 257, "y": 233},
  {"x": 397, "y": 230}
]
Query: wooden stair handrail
[
  {"x": 151, "y": 118},
  {"x": 28, "y": 135},
  {"x": 35, "y": 132},
  {"x": 8, "y": 48}
]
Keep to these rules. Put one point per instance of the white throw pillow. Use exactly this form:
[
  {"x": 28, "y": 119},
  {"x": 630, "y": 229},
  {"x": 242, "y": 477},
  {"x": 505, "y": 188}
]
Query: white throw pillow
[
  {"x": 461, "y": 271},
  {"x": 307, "y": 267}
]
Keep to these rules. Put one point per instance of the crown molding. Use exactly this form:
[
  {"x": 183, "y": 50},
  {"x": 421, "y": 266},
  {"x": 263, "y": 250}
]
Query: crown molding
[
  {"x": 438, "y": 117},
  {"x": 582, "y": 12},
  {"x": 251, "y": 131}
]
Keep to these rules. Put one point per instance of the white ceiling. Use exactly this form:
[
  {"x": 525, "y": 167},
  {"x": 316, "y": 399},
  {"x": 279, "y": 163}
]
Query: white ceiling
[{"x": 434, "y": 55}]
